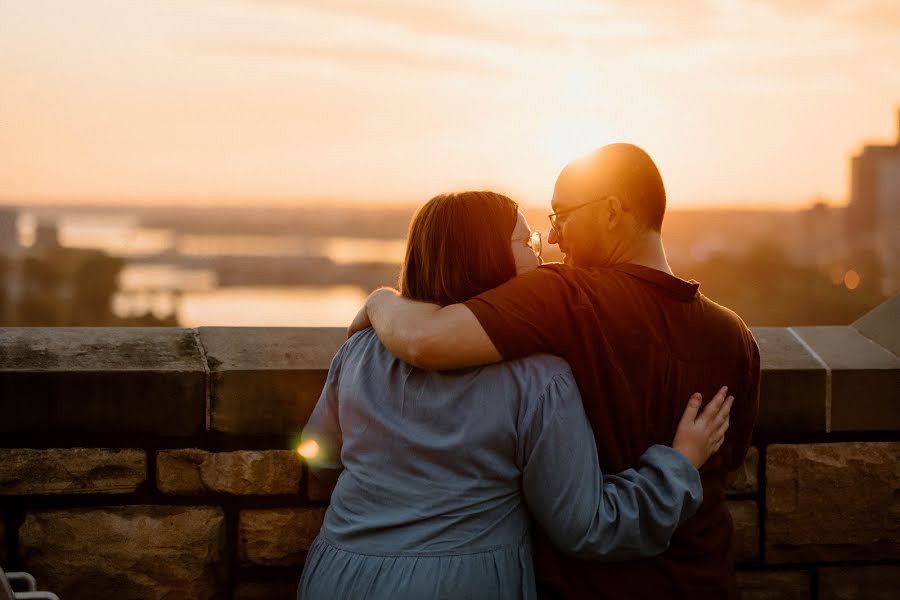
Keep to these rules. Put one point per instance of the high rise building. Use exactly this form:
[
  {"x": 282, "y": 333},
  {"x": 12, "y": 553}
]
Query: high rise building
[
  {"x": 9, "y": 233},
  {"x": 873, "y": 215}
]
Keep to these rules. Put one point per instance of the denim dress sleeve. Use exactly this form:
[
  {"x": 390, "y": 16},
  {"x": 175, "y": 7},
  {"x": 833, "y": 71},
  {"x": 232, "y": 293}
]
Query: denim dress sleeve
[
  {"x": 324, "y": 427},
  {"x": 588, "y": 515}
]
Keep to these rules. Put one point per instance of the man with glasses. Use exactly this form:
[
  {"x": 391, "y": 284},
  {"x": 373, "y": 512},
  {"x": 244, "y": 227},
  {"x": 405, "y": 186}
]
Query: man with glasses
[{"x": 639, "y": 341}]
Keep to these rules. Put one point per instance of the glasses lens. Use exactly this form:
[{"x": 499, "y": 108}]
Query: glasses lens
[{"x": 536, "y": 243}]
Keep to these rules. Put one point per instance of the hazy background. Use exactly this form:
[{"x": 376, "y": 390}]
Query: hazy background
[{"x": 230, "y": 162}]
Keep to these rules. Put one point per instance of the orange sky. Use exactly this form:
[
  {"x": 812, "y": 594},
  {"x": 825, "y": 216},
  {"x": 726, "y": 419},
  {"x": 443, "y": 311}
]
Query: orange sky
[{"x": 739, "y": 102}]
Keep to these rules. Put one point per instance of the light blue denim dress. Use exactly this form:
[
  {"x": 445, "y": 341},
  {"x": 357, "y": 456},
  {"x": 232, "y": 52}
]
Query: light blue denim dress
[{"x": 439, "y": 472}]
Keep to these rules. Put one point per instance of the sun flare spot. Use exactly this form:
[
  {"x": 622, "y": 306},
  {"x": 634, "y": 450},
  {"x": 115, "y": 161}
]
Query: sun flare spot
[{"x": 308, "y": 449}]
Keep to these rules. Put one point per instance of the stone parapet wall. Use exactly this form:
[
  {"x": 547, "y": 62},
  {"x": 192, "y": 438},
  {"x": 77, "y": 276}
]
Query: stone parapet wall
[{"x": 160, "y": 463}]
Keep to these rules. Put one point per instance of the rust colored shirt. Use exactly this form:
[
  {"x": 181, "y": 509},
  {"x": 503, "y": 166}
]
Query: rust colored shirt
[{"x": 639, "y": 342}]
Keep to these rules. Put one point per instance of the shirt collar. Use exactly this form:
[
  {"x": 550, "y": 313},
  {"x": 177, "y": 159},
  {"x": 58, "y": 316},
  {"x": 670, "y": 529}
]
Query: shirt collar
[{"x": 686, "y": 290}]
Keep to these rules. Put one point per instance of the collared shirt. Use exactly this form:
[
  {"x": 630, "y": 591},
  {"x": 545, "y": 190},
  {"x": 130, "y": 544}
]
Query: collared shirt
[{"x": 640, "y": 342}]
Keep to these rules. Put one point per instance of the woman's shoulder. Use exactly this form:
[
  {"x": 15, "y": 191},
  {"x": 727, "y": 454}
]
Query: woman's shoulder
[
  {"x": 539, "y": 369},
  {"x": 362, "y": 347}
]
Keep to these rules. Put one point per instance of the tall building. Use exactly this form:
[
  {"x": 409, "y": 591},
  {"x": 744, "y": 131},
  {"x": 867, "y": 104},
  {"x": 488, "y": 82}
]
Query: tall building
[
  {"x": 9, "y": 233},
  {"x": 873, "y": 215},
  {"x": 12, "y": 286}
]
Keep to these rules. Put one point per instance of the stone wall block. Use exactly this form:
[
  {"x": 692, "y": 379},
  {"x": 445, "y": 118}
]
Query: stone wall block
[
  {"x": 267, "y": 380},
  {"x": 318, "y": 490},
  {"x": 267, "y": 591},
  {"x": 80, "y": 380},
  {"x": 146, "y": 552},
  {"x": 880, "y": 582},
  {"x": 4, "y": 552},
  {"x": 832, "y": 502},
  {"x": 277, "y": 537},
  {"x": 774, "y": 585},
  {"x": 863, "y": 374},
  {"x": 882, "y": 324},
  {"x": 71, "y": 471},
  {"x": 191, "y": 471},
  {"x": 746, "y": 478},
  {"x": 792, "y": 387},
  {"x": 745, "y": 516}
]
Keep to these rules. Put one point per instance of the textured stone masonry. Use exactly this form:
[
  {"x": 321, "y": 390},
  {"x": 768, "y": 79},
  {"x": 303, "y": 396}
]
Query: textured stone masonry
[
  {"x": 318, "y": 490},
  {"x": 880, "y": 582},
  {"x": 3, "y": 551},
  {"x": 745, "y": 516},
  {"x": 147, "y": 552},
  {"x": 277, "y": 537},
  {"x": 862, "y": 377},
  {"x": 832, "y": 502},
  {"x": 191, "y": 471},
  {"x": 882, "y": 326},
  {"x": 82, "y": 400},
  {"x": 774, "y": 585},
  {"x": 86, "y": 380},
  {"x": 746, "y": 479},
  {"x": 793, "y": 383},
  {"x": 267, "y": 591},
  {"x": 266, "y": 380},
  {"x": 25, "y": 471}
]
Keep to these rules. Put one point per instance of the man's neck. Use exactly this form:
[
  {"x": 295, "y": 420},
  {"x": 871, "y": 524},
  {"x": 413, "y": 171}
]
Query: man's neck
[{"x": 649, "y": 252}]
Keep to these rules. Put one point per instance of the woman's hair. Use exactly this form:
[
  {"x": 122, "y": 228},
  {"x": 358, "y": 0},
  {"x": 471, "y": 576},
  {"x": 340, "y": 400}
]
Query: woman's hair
[{"x": 459, "y": 246}]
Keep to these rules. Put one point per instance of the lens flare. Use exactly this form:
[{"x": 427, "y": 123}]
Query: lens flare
[
  {"x": 308, "y": 449},
  {"x": 851, "y": 280}
]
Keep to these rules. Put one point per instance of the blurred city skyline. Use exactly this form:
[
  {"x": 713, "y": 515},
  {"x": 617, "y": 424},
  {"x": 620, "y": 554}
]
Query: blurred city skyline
[{"x": 279, "y": 102}]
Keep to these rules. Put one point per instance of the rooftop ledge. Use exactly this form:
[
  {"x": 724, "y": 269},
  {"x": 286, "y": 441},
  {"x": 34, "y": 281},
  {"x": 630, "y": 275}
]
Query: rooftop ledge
[{"x": 265, "y": 381}]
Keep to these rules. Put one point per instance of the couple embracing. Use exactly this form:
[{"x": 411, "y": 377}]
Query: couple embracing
[{"x": 499, "y": 428}]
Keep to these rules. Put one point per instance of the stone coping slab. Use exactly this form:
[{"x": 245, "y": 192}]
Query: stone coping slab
[
  {"x": 101, "y": 379},
  {"x": 792, "y": 386},
  {"x": 882, "y": 324},
  {"x": 864, "y": 379},
  {"x": 266, "y": 380}
]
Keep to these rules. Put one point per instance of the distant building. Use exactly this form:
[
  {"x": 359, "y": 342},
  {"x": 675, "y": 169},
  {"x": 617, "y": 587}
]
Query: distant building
[
  {"x": 46, "y": 237},
  {"x": 9, "y": 233},
  {"x": 820, "y": 239},
  {"x": 12, "y": 285},
  {"x": 873, "y": 215}
]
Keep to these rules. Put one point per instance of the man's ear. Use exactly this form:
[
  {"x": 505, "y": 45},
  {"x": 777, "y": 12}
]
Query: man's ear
[{"x": 615, "y": 212}]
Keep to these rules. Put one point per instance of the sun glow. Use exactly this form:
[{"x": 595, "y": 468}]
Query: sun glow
[{"x": 397, "y": 100}]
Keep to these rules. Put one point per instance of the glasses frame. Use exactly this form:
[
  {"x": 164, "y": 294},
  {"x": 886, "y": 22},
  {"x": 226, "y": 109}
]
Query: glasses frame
[
  {"x": 536, "y": 243},
  {"x": 554, "y": 217}
]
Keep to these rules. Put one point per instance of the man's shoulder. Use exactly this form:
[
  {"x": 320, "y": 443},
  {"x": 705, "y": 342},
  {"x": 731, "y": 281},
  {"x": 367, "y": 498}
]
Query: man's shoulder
[
  {"x": 729, "y": 325},
  {"x": 721, "y": 314}
]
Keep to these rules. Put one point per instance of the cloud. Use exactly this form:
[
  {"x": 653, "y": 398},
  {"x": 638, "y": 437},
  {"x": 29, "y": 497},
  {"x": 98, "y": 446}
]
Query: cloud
[
  {"x": 357, "y": 55},
  {"x": 454, "y": 19}
]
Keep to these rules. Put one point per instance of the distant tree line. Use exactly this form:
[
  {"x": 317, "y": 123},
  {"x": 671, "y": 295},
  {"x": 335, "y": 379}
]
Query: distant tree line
[
  {"x": 63, "y": 287},
  {"x": 766, "y": 288}
]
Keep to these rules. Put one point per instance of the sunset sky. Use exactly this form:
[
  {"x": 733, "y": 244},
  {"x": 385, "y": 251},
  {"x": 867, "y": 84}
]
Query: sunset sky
[{"x": 738, "y": 102}]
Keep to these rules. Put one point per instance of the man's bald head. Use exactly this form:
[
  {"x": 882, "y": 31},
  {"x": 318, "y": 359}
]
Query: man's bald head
[{"x": 622, "y": 170}]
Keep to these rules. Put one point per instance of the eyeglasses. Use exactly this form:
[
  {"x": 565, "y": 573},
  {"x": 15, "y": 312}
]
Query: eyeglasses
[
  {"x": 534, "y": 242},
  {"x": 554, "y": 217}
]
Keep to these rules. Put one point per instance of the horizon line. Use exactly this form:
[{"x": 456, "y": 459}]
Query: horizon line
[{"x": 284, "y": 202}]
